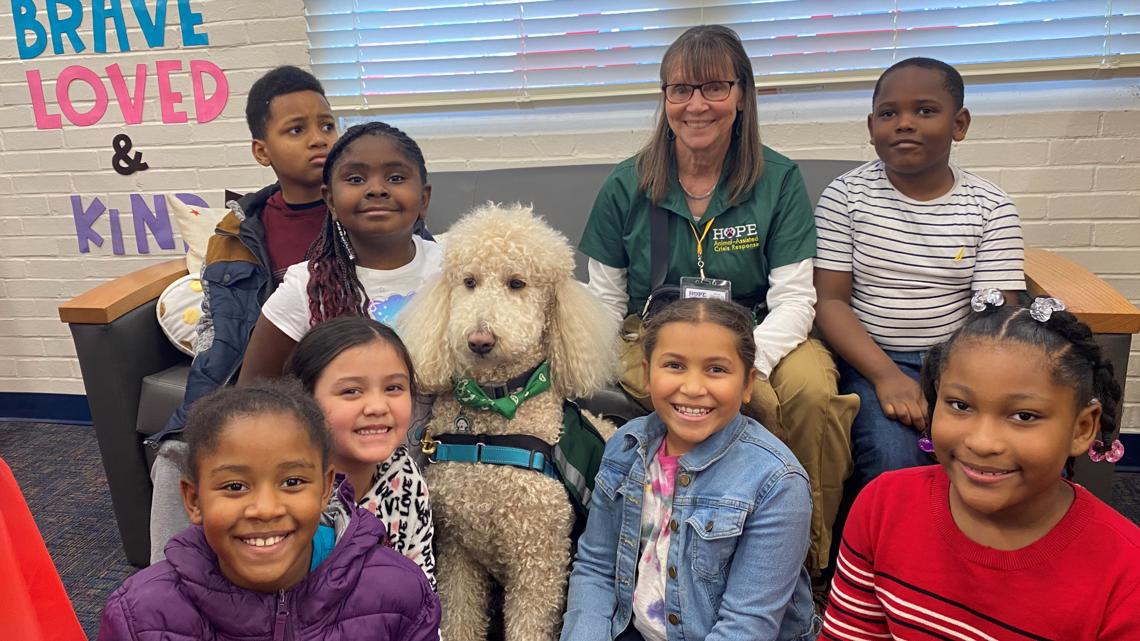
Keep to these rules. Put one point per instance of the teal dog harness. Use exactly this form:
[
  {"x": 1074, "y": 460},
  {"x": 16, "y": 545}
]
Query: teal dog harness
[
  {"x": 574, "y": 460},
  {"x": 516, "y": 450}
]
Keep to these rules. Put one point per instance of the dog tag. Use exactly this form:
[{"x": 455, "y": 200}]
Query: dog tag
[
  {"x": 462, "y": 424},
  {"x": 717, "y": 288}
]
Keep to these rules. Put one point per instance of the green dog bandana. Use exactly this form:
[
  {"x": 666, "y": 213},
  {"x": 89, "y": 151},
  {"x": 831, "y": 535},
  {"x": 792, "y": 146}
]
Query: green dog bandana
[{"x": 468, "y": 393}]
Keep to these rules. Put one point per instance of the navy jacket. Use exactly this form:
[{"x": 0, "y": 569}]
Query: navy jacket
[{"x": 236, "y": 281}]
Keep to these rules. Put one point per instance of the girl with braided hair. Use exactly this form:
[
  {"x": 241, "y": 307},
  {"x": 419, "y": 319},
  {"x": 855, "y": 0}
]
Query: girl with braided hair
[
  {"x": 369, "y": 259},
  {"x": 995, "y": 542}
]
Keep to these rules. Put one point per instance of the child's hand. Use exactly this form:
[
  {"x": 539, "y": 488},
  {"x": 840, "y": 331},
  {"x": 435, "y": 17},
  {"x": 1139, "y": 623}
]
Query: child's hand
[{"x": 902, "y": 399}]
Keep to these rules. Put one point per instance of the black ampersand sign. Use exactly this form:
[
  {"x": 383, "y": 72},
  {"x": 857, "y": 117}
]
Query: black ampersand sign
[{"x": 122, "y": 161}]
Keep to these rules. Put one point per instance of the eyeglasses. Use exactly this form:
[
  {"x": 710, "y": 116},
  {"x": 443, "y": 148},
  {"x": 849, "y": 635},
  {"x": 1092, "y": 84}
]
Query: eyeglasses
[{"x": 715, "y": 91}]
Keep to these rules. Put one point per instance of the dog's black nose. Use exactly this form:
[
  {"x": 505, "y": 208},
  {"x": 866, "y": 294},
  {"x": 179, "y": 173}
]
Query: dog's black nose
[{"x": 480, "y": 343}]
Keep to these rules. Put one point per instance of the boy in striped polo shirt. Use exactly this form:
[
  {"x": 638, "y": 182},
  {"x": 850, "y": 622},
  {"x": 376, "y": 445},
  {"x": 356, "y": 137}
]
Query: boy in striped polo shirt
[{"x": 903, "y": 241}]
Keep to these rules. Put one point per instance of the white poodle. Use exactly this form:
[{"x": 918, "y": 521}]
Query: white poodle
[{"x": 505, "y": 303}]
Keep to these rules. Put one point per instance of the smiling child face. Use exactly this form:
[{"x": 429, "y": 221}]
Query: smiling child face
[
  {"x": 376, "y": 192},
  {"x": 1003, "y": 430},
  {"x": 259, "y": 497},
  {"x": 366, "y": 395},
  {"x": 697, "y": 382},
  {"x": 914, "y": 122}
]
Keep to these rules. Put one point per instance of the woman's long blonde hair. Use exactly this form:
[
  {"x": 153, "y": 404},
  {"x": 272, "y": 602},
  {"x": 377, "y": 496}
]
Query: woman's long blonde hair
[{"x": 700, "y": 54}]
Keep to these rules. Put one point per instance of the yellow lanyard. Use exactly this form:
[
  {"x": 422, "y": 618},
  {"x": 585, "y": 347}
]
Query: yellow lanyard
[{"x": 700, "y": 241}]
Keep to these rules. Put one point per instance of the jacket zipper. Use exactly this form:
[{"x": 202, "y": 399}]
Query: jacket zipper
[{"x": 282, "y": 617}]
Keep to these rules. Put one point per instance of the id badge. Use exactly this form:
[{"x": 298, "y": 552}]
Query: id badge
[{"x": 718, "y": 288}]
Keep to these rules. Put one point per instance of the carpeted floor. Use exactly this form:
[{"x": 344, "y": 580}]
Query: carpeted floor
[{"x": 59, "y": 470}]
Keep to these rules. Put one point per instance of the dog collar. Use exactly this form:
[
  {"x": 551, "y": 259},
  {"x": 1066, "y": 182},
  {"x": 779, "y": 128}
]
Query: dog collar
[{"x": 512, "y": 385}]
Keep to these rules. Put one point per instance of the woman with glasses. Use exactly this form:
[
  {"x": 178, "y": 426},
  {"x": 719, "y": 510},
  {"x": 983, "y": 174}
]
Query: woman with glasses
[{"x": 738, "y": 223}]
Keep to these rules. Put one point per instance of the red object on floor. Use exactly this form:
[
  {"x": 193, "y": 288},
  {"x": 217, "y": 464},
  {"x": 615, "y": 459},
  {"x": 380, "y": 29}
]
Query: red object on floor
[{"x": 33, "y": 604}]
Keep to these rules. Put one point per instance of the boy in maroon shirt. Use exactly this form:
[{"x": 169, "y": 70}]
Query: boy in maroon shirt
[{"x": 293, "y": 128}]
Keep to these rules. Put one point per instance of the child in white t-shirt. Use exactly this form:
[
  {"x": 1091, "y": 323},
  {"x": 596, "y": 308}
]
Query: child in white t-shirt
[
  {"x": 367, "y": 260},
  {"x": 388, "y": 291}
]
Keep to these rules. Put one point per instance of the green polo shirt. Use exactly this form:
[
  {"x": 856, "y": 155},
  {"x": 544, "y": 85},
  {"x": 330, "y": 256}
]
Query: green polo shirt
[{"x": 772, "y": 227}]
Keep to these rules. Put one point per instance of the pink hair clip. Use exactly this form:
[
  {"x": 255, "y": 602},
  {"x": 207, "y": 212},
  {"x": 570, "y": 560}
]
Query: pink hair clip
[{"x": 1098, "y": 452}]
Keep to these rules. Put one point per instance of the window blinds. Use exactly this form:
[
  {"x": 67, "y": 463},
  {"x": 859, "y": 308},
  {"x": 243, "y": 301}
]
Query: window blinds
[{"x": 386, "y": 53}]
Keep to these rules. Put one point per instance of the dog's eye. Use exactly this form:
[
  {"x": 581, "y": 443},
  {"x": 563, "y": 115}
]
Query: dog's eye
[
  {"x": 516, "y": 283},
  {"x": 469, "y": 282}
]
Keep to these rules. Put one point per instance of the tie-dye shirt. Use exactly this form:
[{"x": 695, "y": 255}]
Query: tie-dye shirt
[
  {"x": 656, "y": 510},
  {"x": 399, "y": 498}
]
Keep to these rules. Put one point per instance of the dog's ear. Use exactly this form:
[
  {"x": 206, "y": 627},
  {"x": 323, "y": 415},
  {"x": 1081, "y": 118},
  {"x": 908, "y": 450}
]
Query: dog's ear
[
  {"x": 583, "y": 341},
  {"x": 424, "y": 330}
]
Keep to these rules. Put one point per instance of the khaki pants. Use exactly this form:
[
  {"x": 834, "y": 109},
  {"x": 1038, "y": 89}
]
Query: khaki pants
[{"x": 801, "y": 405}]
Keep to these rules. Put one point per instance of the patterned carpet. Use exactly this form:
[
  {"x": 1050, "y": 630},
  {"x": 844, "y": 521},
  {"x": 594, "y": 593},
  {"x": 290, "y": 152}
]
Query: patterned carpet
[{"x": 59, "y": 471}]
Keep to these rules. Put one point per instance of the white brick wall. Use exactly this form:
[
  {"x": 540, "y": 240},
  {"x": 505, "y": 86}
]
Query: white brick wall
[
  {"x": 1075, "y": 175},
  {"x": 40, "y": 262}
]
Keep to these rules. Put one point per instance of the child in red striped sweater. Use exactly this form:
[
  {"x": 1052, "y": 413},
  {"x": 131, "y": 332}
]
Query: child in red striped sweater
[{"x": 994, "y": 543}]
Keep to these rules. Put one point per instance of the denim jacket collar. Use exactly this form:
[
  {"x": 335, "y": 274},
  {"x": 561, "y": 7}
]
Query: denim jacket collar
[{"x": 700, "y": 457}]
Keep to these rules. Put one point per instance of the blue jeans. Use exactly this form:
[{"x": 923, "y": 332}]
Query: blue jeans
[{"x": 878, "y": 443}]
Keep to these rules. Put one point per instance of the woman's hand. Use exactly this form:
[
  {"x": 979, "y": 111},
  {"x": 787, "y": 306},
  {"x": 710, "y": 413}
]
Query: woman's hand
[{"x": 901, "y": 399}]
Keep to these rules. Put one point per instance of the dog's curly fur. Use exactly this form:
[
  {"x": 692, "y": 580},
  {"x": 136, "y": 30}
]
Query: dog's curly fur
[{"x": 494, "y": 520}]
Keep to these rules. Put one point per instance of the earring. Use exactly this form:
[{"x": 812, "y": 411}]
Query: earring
[
  {"x": 736, "y": 127},
  {"x": 669, "y": 135},
  {"x": 344, "y": 240},
  {"x": 925, "y": 444}
]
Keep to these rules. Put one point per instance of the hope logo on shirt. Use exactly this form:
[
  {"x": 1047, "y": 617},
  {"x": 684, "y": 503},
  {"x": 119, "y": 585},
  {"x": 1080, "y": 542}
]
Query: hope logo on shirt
[
  {"x": 735, "y": 238},
  {"x": 385, "y": 310}
]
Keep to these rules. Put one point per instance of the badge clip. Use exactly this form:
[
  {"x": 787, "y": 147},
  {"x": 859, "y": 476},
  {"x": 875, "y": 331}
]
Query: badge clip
[{"x": 715, "y": 288}]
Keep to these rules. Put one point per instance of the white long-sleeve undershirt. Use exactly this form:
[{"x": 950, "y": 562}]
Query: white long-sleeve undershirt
[{"x": 790, "y": 299}]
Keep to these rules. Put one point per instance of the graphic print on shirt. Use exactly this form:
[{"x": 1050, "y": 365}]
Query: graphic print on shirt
[
  {"x": 735, "y": 238},
  {"x": 399, "y": 498},
  {"x": 657, "y": 512},
  {"x": 385, "y": 310}
]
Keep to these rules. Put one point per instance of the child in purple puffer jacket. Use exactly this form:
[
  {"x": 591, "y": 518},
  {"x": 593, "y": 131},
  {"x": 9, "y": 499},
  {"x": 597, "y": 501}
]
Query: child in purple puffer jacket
[{"x": 270, "y": 556}]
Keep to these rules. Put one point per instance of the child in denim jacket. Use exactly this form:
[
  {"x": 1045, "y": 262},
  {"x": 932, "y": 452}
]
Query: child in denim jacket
[{"x": 699, "y": 518}]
